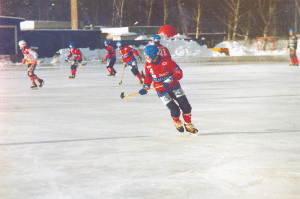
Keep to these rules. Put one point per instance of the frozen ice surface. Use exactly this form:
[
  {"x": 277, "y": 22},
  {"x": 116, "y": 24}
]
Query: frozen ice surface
[{"x": 76, "y": 138}]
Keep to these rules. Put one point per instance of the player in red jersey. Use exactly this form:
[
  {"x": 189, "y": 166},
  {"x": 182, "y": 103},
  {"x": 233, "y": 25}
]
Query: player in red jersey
[
  {"x": 165, "y": 74},
  {"x": 128, "y": 58},
  {"x": 163, "y": 51},
  {"x": 30, "y": 57},
  {"x": 77, "y": 58},
  {"x": 110, "y": 58}
]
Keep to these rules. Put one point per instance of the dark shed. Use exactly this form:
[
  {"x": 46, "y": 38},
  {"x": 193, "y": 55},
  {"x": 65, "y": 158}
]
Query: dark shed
[{"x": 10, "y": 33}]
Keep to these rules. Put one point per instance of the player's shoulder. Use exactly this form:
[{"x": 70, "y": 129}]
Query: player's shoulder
[{"x": 167, "y": 59}]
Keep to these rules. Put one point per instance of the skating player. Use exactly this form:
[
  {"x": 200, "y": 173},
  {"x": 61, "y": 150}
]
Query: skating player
[
  {"x": 30, "y": 57},
  {"x": 292, "y": 46},
  {"x": 77, "y": 58},
  {"x": 128, "y": 58},
  {"x": 110, "y": 58},
  {"x": 163, "y": 51},
  {"x": 165, "y": 74}
]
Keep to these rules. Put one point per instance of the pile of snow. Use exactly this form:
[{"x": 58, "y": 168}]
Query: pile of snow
[
  {"x": 180, "y": 47},
  {"x": 236, "y": 49}
]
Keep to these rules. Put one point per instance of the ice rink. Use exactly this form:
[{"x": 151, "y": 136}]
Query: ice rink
[{"x": 77, "y": 139}]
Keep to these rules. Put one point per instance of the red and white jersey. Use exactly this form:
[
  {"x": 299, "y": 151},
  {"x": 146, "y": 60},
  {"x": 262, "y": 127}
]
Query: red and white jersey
[
  {"x": 110, "y": 52},
  {"x": 163, "y": 51},
  {"x": 160, "y": 71},
  {"x": 128, "y": 53},
  {"x": 77, "y": 54},
  {"x": 30, "y": 56}
]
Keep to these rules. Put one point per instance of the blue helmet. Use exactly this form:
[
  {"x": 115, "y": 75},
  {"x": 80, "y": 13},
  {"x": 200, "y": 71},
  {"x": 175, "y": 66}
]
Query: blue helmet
[
  {"x": 151, "y": 52},
  {"x": 119, "y": 44},
  {"x": 155, "y": 39},
  {"x": 72, "y": 44},
  {"x": 106, "y": 42},
  {"x": 292, "y": 30}
]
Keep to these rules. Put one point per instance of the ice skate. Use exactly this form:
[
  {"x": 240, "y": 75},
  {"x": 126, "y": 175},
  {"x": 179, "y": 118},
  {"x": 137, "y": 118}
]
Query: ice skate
[
  {"x": 72, "y": 76},
  {"x": 41, "y": 83},
  {"x": 191, "y": 129},
  {"x": 112, "y": 74},
  {"x": 33, "y": 86},
  {"x": 179, "y": 126}
]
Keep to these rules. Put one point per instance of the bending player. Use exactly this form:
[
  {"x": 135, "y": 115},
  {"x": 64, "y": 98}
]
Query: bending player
[
  {"x": 166, "y": 74},
  {"x": 128, "y": 58},
  {"x": 110, "y": 58},
  {"x": 163, "y": 51},
  {"x": 30, "y": 57},
  {"x": 77, "y": 58}
]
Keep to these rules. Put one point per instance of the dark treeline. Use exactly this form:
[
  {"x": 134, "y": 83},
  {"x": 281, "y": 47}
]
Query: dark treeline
[{"x": 240, "y": 19}]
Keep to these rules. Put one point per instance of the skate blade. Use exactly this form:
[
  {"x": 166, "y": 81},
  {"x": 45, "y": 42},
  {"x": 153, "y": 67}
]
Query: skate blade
[{"x": 195, "y": 132}]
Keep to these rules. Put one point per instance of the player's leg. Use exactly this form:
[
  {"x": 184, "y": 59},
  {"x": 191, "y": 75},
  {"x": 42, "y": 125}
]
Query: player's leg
[
  {"x": 135, "y": 71},
  {"x": 110, "y": 68},
  {"x": 73, "y": 70},
  {"x": 32, "y": 76},
  {"x": 292, "y": 57},
  {"x": 174, "y": 110},
  {"x": 186, "y": 109},
  {"x": 296, "y": 61}
]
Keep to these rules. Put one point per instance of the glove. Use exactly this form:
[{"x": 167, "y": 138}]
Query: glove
[
  {"x": 144, "y": 90},
  {"x": 67, "y": 59},
  {"x": 167, "y": 82},
  {"x": 139, "y": 58}
]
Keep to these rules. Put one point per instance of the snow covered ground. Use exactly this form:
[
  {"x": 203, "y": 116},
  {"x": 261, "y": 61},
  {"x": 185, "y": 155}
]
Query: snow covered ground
[{"x": 76, "y": 138}]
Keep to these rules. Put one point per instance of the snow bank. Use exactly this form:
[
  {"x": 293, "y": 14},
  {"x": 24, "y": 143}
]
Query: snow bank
[{"x": 180, "y": 47}]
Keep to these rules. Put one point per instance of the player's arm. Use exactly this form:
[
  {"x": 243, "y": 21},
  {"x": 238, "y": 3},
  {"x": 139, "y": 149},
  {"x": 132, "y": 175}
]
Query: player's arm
[
  {"x": 147, "y": 82},
  {"x": 175, "y": 75},
  {"x": 136, "y": 53}
]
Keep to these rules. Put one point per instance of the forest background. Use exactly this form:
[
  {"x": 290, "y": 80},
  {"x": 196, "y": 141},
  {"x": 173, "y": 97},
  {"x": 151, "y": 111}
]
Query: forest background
[{"x": 239, "y": 19}]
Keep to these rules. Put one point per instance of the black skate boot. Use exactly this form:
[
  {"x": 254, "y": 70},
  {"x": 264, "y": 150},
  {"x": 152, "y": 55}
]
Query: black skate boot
[
  {"x": 72, "y": 76},
  {"x": 191, "y": 129},
  {"x": 179, "y": 126},
  {"x": 41, "y": 83},
  {"x": 33, "y": 86},
  {"x": 112, "y": 74}
]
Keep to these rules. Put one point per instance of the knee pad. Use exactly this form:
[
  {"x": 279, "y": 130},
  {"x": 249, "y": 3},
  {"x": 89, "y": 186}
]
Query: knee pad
[
  {"x": 184, "y": 104},
  {"x": 73, "y": 67},
  {"x": 174, "y": 109},
  {"x": 30, "y": 73},
  {"x": 134, "y": 70}
]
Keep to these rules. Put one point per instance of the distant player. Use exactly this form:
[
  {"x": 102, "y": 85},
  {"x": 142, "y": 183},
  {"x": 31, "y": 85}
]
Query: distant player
[
  {"x": 292, "y": 46},
  {"x": 165, "y": 74},
  {"x": 128, "y": 58},
  {"x": 163, "y": 51},
  {"x": 110, "y": 58},
  {"x": 30, "y": 57},
  {"x": 77, "y": 59}
]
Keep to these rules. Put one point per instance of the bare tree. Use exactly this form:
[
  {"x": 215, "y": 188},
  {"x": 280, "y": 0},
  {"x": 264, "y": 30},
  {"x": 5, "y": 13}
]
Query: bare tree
[
  {"x": 149, "y": 10},
  {"x": 266, "y": 9},
  {"x": 232, "y": 10},
  {"x": 197, "y": 10},
  {"x": 165, "y": 11}
]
